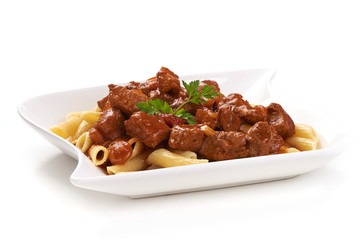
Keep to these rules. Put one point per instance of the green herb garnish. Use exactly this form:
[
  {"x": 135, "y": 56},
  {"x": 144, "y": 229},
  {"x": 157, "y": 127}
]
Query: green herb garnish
[{"x": 196, "y": 96}]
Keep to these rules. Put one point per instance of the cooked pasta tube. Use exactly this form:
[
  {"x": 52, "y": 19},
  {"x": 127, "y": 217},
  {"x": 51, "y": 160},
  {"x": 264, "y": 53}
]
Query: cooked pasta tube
[
  {"x": 153, "y": 167},
  {"x": 67, "y": 128},
  {"x": 84, "y": 142},
  {"x": 138, "y": 147},
  {"x": 89, "y": 116},
  {"x": 83, "y": 127},
  {"x": 286, "y": 149},
  {"x": 137, "y": 163},
  {"x": 187, "y": 154},
  {"x": 165, "y": 158},
  {"x": 304, "y": 139},
  {"x": 98, "y": 154},
  {"x": 303, "y": 144},
  {"x": 306, "y": 131}
]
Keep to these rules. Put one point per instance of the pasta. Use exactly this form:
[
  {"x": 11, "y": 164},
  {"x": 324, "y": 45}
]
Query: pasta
[
  {"x": 304, "y": 139},
  {"x": 144, "y": 126},
  {"x": 75, "y": 124},
  {"x": 286, "y": 149},
  {"x": 138, "y": 147},
  {"x": 67, "y": 128},
  {"x": 84, "y": 142},
  {"x": 187, "y": 154},
  {"x": 89, "y": 116},
  {"x": 98, "y": 154},
  {"x": 137, "y": 163},
  {"x": 165, "y": 158}
]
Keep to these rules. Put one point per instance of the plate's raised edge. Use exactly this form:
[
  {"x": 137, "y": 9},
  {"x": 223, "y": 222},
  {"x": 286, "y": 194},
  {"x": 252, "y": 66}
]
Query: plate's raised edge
[{"x": 328, "y": 152}]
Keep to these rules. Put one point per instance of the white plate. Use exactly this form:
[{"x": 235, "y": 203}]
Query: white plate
[{"x": 45, "y": 111}]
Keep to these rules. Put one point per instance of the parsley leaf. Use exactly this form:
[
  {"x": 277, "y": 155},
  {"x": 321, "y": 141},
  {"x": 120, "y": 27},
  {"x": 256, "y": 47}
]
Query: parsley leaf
[
  {"x": 145, "y": 107},
  {"x": 197, "y": 96},
  {"x": 185, "y": 115}
]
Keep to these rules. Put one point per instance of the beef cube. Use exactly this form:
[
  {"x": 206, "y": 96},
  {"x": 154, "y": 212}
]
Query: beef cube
[
  {"x": 224, "y": 145},
  {"x": 263, "y": 139},
  {"x": 228, "y": 120},
  {"x": 280, "y": 120},
  {"x": 101, "y": 103},
  {"x": 207, "y": 117},
  {"x": 252, "y": 114},
  {"x": 186, "y": 137},
  {"x": 168, "y": 81},
  {"x": 166, "y": 97},
  {"x": 149, "y": 129},
  {"x": 125, "y": 99},
  {"x": 243, "y": 108},
  {"x": 209, "y": 83},
  {"x": 133, "y": 85},
  {"x": 110, "y": 126},
  {"x": 146, "y": 87},
  {"x": 96, "y": 136},
  {"x": 234, "y": 100}
]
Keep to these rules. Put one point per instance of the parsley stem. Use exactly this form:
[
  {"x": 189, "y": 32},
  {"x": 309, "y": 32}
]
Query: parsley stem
[{"x": 177, "y": 109}]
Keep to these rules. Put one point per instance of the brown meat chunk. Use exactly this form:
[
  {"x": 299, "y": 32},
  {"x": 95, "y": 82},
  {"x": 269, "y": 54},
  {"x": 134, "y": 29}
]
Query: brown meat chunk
[
  {"x": 166, "y": 97},
  {"x": 280, "y": 120},
  {"x": 96, "y": 136},
  {"x": 224, "y": 145},
  {"x": 209, "y": 83},
  {"x": 233, "y": 99},
  {"x": 149, "y": 129},
  {"x": 101, "y": 103},
  {"x": 186, "y": 137},
  {"x": 228, "y": 120},
  {"x": 243, "y": 108},
  {"x": 207, "y": 117},
  {"x": 110, "y": 126},
  {"x": 263, "y": 139},
  {"x": 125, "y": 99},
  {"x": 146, "y": 87},
  {"x": 119, "y": 152},
  {"x": 252, "y": 114},
  {"x": 167, "y": 81}
]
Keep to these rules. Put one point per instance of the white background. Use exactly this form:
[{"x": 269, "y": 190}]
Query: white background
[{"x": 47, "y": 46}]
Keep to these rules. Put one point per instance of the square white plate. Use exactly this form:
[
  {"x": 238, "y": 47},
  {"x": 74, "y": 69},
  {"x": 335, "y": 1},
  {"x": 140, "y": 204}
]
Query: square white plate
[{"x": 45, "y": 111}]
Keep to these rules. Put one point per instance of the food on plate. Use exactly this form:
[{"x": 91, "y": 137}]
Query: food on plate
[{"x": 159, "y": 123}]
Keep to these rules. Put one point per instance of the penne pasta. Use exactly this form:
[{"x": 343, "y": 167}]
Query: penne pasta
[
  {"x": 165, "y": 158},
  {"x": 187, "y": 154},
  {"x": 137, "y": 163},
  {"x": 286, "y": 149},
  {"x": 138, "y": 147},
  {"x": 83, "y": 127},
  {"x": 303, "y": 144},
  {"x": 89, "y": 116},
  {"x": 304, "y": 139},
  {"x": 84, "y": 142},
  {"x": 98, "y": 154},
  {"x": 67, "y": 128}
]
